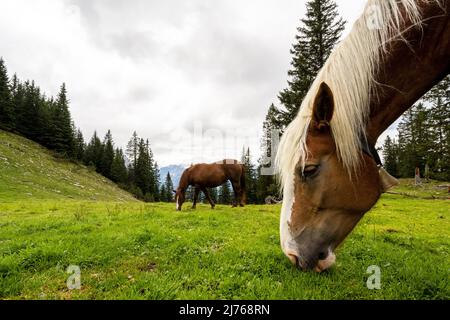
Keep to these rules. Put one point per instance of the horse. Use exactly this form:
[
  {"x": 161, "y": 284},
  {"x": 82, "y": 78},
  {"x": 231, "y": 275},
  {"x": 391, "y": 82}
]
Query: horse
[
  {"x": 329, "y": 170},
  {"x": 202, "y": 176}
]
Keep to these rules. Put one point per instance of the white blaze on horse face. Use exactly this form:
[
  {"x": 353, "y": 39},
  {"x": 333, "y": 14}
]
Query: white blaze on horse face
[
  {"x": 177, "y": 203},
  {"x": 288, "y": 244}
]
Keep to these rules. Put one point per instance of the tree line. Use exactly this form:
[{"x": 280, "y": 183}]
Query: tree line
[
  {"x": 423, "y": 138},
  {"x": 26, "y": 110}
]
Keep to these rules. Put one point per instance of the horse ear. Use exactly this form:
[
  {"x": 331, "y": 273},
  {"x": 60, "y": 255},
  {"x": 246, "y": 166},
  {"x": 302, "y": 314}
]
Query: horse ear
[{"x": 323, "y": 107}]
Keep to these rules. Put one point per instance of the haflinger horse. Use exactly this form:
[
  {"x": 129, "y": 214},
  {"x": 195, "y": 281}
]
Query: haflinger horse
[
  {"x": 203, "y": 176},
  {"x": 329, "y": 170}
]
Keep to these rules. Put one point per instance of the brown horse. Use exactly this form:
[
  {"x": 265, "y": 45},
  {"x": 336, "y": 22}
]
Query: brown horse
[
  {"x": 330, "y": 171},
  {"x": 203, "y": 176}
]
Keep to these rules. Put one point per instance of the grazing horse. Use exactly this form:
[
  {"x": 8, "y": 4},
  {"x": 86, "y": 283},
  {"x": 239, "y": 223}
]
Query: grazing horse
[
  {"x": 203, "y": 176},
  {"x": 330, "y": 172}
]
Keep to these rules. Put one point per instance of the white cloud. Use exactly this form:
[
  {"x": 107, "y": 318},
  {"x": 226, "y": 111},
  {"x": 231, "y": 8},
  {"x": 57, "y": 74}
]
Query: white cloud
[{"x": 157, "y": 67}]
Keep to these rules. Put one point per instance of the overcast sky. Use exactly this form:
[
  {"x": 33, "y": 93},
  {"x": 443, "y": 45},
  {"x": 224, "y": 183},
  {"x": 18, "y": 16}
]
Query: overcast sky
[{"x": 174, "y": 71}]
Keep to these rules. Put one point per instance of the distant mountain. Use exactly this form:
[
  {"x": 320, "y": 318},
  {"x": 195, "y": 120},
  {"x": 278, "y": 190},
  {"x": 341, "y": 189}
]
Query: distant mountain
[{"x": 175, "y": 171}]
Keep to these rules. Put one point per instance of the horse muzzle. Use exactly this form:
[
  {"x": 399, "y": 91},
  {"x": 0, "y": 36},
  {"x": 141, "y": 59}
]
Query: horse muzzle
[{"x": 318, "y": 262}]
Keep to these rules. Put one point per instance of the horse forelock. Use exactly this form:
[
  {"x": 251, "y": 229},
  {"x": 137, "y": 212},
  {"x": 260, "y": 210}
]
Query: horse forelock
[{"x": 350, "y": 73}]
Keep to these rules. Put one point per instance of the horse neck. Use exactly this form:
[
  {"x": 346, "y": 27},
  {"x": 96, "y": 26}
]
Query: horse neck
[
  {"x": 411, "y": 69},
  {"x": 184, "y": 181}
]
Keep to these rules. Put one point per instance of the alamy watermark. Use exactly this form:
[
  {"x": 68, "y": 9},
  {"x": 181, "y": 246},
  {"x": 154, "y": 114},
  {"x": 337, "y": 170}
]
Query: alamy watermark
[
  {"x": 207, "y": 144},
  {"x": 74, "y": 280},
  {"x": 374, "y": 280},
  {"x": 374, "y": 17}
]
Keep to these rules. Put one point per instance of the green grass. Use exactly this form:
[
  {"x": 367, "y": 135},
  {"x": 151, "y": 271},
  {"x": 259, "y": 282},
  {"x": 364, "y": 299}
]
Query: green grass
[
  {"x": 29, "y": 172},
  {"x": 426, "y": 190},
  {"x": 150, "y": 251},
  {"x": 54, "y": 214}
]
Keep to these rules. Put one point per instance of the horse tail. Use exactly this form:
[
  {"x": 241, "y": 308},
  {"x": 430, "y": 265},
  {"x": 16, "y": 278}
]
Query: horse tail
[{"x": 243, "y": 188}]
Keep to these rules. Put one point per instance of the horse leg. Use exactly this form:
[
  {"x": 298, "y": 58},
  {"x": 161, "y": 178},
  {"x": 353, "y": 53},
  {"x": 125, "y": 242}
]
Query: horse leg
[
  {"x": 242, "y": 197},
  {"x": 194, "y": 202},
  {"x": 211, "y": 202},
  {"x": 237, "y": 194}
]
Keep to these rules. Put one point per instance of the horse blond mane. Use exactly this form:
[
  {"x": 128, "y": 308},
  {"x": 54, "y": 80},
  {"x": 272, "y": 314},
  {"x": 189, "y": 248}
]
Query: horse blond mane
[{"x": 349, "y": 72}]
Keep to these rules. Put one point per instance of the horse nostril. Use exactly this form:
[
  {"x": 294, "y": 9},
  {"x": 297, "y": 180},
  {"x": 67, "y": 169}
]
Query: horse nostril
[{"x": 322, "y": 255}]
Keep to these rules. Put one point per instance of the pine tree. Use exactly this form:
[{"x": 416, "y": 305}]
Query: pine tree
[
  {"x": 225, "y": 196},
  {"x": 132, "y": 152},
  {"x": 107, "y": 155},
  {"x": 29, "y": 113},
  {"x": 168, "y": 188},
  {"x": 144, "y": 177},
  {"x": 94, "y": 152},
  {"x": 154, "y": 189},
  {"x": 163, "y": 194},
  {"x": 18, "y": 97},
  {"x": 266, "y": 184},
  {"x": 80, "y": 145},
  {"x": 416, "y": 145},
  {"x": 118, "y": 168},
  {"x": 7, "y": 110},
  {"x": 213, "y": 193},
  {"x": 250, "y": 176},
  {"x": 439, "y": 121},
  {"x": 390, "y": 155},
  {"x": 62, "y": 125},
  {"x": 317, "y": 36}
]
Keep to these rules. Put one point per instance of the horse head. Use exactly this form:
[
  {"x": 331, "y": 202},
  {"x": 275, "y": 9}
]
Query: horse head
[
  {"x": 326, "y": 158},
  {"x": 180, "y": 196},
  {"x": 327, "y": 200}
]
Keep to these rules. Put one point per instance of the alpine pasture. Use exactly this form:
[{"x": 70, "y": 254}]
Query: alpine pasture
[{"x": 55, "y": 214}]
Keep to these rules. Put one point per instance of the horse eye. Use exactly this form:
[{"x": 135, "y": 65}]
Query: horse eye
[{"x": 310, "y": 170}]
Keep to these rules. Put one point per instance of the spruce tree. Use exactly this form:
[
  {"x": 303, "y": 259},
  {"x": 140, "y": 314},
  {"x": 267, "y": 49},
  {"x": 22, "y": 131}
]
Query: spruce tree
[
  {"x": 62, "y": 125},
  {"x": 163, "y": 194},
  {"x": 213, "y": 193},
  {"x": 132, "y": 152},
  {"x": 7, "y": 110},
  {"x": 143, "y": 171},
  {"x": 168, "y": 188},
  {"x": 118, "y": 168},
  {"x": 416, "y": 145},
  {"x": 225, "y": 196},
  {"x": 439, "y": 121},
  {"x": 94, "y": 152},
  {"x": 250, "y": 176},
  {"x": 29, "y": 112},
  {"x": 107, "y": 155},
  {"x": 316, "y": 38},
  {"x": 80, "y": 145},
  {"x": 154, "y": 188},
  {"x": 266, "y": 184},
  {"x": 390, "y": 155}
]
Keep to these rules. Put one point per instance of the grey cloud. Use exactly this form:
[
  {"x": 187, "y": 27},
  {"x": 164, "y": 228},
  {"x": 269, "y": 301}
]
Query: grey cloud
[{"x": 160, "y": 66}]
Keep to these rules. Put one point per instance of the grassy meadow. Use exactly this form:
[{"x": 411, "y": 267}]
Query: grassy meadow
[
  {"x": 54, "y": 214},
  {"x": 149, "y": 251}
]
